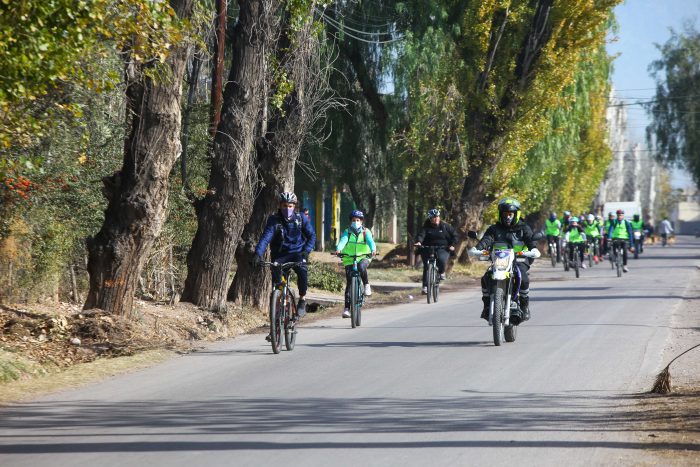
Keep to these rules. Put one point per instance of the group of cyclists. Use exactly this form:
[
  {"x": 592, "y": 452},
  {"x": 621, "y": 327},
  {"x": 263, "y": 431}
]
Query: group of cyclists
[
  {"x": 291, "y": 238},
  {"x": 591, "y": 233}
]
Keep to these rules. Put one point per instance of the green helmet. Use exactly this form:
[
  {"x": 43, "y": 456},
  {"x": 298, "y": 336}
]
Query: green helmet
[{"x": 509, "y": 205}]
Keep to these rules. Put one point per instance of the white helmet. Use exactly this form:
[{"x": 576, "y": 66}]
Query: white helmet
[
  {"x": 590, "y": 217},
  {"x": 288, "y": 197}
]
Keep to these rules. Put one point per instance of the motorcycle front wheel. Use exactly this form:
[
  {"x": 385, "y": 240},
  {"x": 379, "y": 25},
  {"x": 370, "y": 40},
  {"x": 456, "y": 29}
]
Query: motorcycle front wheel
[{"x": 499, "y": 307}]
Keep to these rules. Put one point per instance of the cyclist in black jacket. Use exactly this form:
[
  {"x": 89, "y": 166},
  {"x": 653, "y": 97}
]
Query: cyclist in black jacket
[{"x": 435, "y": 233}]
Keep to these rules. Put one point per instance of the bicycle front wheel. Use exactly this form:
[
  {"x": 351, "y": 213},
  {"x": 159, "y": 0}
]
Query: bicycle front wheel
[
  {"x": 360, "y": 301},
  {"x": 353, "y": 301},
  {"x": 290, "y": 328},
  {"x": 431, "y": 280},
  {"x": 436, "y": 287},
  {"x": 276, "y": 320}
]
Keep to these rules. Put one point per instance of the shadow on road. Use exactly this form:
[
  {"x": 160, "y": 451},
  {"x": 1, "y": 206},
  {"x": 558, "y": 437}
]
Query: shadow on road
[{"x": 87, "y": 426}]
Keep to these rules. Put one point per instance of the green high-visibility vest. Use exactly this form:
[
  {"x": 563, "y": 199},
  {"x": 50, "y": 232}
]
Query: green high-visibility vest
[
  {"x": 575, "y": 235},
  {"x": 552, "y": 227},
  {"x": 357, "y": 245},
  {"x": 620, "y": 230},
  {"x": 637, "y": 225},
  {"x": 592, "y": 230}
]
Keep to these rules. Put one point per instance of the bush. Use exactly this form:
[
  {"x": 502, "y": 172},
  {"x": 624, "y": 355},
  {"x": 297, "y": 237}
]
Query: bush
[{"x": 325, "y": 277}]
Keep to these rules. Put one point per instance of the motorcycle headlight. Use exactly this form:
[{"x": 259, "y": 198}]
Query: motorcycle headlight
[{"x": 501, "y": 263}]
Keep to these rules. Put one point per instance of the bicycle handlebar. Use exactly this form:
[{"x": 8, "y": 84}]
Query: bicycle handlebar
[{"x": 282, "y": 266}]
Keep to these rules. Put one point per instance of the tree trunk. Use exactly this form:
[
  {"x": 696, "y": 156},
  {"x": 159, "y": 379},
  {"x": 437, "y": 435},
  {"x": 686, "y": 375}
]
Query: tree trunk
[
  {"x": 277, "y": 151},
  {"x": 137, "y": 195},
  {"x": 218, "y": 69},
  {"x": 224, "y": 211},
  {"x": 411, "y": 221}
]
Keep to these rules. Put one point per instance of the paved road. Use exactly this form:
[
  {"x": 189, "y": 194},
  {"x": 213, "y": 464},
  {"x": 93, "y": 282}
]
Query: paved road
[{"x": 416, "y": 385}]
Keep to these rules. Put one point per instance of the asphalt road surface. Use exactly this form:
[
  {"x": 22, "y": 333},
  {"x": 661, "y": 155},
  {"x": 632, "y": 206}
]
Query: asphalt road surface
[{"x": 416, "y": 385}]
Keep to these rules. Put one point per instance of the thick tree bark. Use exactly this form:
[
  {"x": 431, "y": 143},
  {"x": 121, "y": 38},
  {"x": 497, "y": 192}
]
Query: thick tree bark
[
  {"x": 223, "y": 213},
  {"x": 277, "y": 152},
  {"x": 137, "y": 195}
]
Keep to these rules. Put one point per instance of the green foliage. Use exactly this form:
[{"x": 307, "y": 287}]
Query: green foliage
[
  {"x": 325, "y": 277},
  {"x": 675, "y": 128},
  {"x": 46, "y": 47}
]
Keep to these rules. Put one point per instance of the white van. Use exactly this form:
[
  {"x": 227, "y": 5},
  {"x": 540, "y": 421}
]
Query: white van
[{"x": 630, "y": 207}]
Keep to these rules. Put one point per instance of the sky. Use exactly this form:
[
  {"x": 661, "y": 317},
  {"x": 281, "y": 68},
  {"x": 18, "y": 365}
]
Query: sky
[{"x": 642, "y": 23}]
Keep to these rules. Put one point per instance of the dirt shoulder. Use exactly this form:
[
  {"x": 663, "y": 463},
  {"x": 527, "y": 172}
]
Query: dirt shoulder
[{"x": 670, "y": 424}]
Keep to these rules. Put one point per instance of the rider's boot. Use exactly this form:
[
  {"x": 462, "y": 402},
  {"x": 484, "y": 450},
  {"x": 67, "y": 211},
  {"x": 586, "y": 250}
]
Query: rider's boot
[
  {"x": 525, "y": 307},
  {"x": 301, "y": 307},
  {"x": 487, "y": 306}
]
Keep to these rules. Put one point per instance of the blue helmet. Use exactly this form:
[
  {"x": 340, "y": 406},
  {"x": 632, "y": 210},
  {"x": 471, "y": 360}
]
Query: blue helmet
[
  {"x": 357, "y": 213},
  {"x": 434, "y": 213}
]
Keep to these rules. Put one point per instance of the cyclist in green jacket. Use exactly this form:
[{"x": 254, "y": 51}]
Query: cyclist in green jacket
[
  {"x": 638, "y": 226},
  {"x": 576, "y": 239},
  {"x": 552, "y": 228},
  {"x": 620, "y": 231},
  {"x": 356, "y": 240},
  {"x": 592, "y": 230},
  {"x": 606, "y": 226}
]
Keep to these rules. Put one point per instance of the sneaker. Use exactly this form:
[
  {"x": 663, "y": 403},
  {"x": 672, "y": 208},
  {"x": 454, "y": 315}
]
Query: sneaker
[
  {"x": 443, "y": 277},
  {"x": 368, "y": 290},
  {"x": 485, "y": 314},
  {"x": 268, "y": 338},
  {"x": 595, "y": 259},
  {"x": 526, "y": 314},
  {"x": 424, "y": 291},
  {"x": 346, "y": 313},
  {"x": 301, "y": 307},
  {"x": 625, "y": 269},
  {"x": 583, "y": 266}
]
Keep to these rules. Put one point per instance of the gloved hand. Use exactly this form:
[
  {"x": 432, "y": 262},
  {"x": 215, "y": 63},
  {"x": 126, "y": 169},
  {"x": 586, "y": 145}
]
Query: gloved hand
[
  {"x": 256, "y": 261},
  {"x": 305, "y": 256},
  {"x": 474, "y": 251},
  {"x": 536, "y": 253}
]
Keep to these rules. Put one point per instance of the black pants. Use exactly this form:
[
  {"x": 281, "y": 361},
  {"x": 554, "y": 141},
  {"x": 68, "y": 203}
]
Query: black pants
[
  {"x": 441, "y": 257},
  {"x": 576, "y": 246},
  {"x": 362, "y": 268},
  {"x": 301, "y": 271},
  {"x": 524, "y": 284},
  {"x": 623, "y": 244}
]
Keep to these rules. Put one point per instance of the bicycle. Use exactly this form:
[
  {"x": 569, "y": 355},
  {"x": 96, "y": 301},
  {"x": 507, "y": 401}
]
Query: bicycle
[
  {"x": 593, "y": 250},
  {"x": 553, "y": 250},
  {"x": 576, "y": 262},
  {"x": 283, "y": 308},
  {"x": 617, "y": 255},
  {"x": 357, "y": 291},
  {"x": 433, "y": 276}
]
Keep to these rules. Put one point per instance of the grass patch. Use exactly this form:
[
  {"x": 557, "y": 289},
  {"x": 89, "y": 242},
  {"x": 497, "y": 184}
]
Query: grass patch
[
  {"x": 14, "y": 367},
  {"x": 78, "y": 375}
]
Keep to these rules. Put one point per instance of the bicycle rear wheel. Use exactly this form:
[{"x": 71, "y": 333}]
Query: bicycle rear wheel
[{"x": 276, "y": 320}]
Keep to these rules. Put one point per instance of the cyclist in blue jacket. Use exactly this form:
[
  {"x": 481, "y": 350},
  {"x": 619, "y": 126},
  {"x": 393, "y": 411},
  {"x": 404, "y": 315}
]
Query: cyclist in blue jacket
[{"x": 291, "y": 238}]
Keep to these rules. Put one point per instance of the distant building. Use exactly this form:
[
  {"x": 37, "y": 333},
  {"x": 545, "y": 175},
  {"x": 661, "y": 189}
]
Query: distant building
[{"x": 686, "y": 215}]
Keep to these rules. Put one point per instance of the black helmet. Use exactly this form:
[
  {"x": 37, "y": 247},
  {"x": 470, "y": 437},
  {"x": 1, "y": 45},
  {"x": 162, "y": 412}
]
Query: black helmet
[{"x": 509, "y": 205}]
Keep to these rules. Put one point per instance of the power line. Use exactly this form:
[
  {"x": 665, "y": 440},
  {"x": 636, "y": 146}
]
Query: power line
[{"x": 342, "y": 29}]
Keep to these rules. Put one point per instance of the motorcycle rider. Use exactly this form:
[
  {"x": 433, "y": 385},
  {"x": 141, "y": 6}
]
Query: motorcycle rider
[
  {"x": 620, "y": 231},
  {"x": 514, "y": 233},
  {"x": 576, "y": 239},
  {"x": 592, "y": 230},
  {"x": 552, "y": 227},
  {"x": 438, "y": 233},
  {"x": 638, "y": 226},
  {"x": 291, "y": 238}
]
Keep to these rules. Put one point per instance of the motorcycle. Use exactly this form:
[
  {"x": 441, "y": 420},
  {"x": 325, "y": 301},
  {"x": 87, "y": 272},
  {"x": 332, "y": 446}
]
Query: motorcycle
[{"x": 504, "y": 289}]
